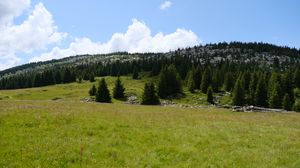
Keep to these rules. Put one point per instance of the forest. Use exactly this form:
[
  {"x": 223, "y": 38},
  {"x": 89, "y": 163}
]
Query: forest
[{"x": 257, "y": 74}]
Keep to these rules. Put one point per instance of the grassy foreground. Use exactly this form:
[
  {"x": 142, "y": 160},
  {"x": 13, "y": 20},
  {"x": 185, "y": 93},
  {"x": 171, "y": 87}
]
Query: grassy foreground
[{"x": 75, "y": 134}]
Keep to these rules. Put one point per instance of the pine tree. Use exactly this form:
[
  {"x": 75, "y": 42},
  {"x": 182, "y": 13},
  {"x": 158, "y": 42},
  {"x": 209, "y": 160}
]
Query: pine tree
[
  {"x": 210, "y": 98},
  {"x": 261, "y": 93},
  {"x": 92, "y": 78},
  {"x": 118, "y": 92},
  {"x": 93, "y": 91},
  {"x": 162, "y": 84},
  {"x": 169, "y": 82},
  {"x": 275, "y": 98},
  {"x": 149, "y": 95},
  {"x": 206, "y": 80},
  {"x": 197, "y": 77},
  {"x": 102, "y": 94},
  {"x": 191, "y": 82},
  {"x": 238, "y": 94},
  {"x": 228, "y": 82},
  {"x": 252, "y": 88},
  {"x": 135, "y": 74},
  {"x": 297, "y": 78},
  {"x": 286, "y": 103}
]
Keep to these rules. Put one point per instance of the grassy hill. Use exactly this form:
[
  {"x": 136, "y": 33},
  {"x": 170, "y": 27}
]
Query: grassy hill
[{"x": 51, "y": 127}]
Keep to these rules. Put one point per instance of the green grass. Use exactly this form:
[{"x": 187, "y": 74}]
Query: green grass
[
  {"x": 71, "y": 91},
  {"x": 53, "y": 133},
  {"x": 50, "y": 127}
]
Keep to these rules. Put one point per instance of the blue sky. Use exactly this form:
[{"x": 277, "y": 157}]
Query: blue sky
[
  {"x": 78, "y": 27},
  {"x": 274, "y": 21}
]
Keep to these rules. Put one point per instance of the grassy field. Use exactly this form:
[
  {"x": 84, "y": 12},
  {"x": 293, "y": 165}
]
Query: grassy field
[{"x": 51, "y": 127}]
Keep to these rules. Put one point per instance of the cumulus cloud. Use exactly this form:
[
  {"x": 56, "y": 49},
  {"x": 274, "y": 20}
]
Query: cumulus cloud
[
  {"x": 10, "y": 9},
  {"x": 137, "y": 38},
  {"x": 165, "y": 5},
  {"x": 35, "y": 33}
]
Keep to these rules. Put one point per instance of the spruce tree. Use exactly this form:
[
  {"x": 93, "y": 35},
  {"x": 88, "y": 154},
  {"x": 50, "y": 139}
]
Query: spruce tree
[
  {"x": 275, "y": 98},
  {"x": 92, "y": 78},
  {"x": 252, "y": 88},
  {"x": 169, "y": 82},
  {"x": 197, "y": 77},
  {"x": 238, "y": 98},
  {"x": 162, "y": 85},
  {"x": 297, "y": 78},
  {"x": 118, "y": 92},
  {"x": 102, "y": 94},
  {"x": 286, "y": 103},
  {"x": 206, "y": 80},
  {"x": 210, "y": 98},
  {"x": 228, "y": 82},
  {"x": 93, "y": 91},
  {"x": 149, "y": 95},
  {"x": 191, "y": 82},
  {"x": 135, "y": 73},
  {"x": 261, "y": 93}
]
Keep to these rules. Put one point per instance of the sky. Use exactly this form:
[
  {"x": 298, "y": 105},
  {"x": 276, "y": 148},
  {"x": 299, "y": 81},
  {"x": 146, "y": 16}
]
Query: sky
[{"x": 39, "y": 30}]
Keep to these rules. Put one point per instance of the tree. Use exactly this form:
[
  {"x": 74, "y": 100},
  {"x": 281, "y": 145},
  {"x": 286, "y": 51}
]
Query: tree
[
  {"x": 197, "y": 77},
  {"x": 92, "y": 78},
  {"x": 149, "y": 95},
  {"x": 261, "y": 93},
  {"x": 210, "y": 98},
  {"x": 252, "y": 88},
  {"x": 206, "y": 80},
  {"x": 135, "y": 73},
  {"x": 275, "y": 98},
  {"x": 102, "y": 94},
  {"x": 118, "y": 92},
  {"x": 191, "y": 82},
  {"x": 228, "y": 82},
  {"x": 169, "y": 82},
  {"x": 297, "y": 78},
  {"x": 286, "y": 103},
  {"x": 93, "y": 91},
  {"x": 238, "y": 94}
]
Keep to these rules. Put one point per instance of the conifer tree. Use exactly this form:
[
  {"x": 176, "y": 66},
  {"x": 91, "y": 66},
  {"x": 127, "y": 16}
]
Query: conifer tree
[
  {"x": 169, "y": 82},
  {"x": 92, "y": 78},
  {"x": 162, "y": 83},
  {"x": 261, "y": 93},
  {"x": 297, "y": 78},
  {"x": 93, "y": 91},
  {"x": 191, "y": 82},
  {"x": 228, "y": 82},
  {"x": 286, "y": 103},
  {"x": 210, "y": 98},
  {"x": 206, "y": 80},
  {"x": 135, "y": 73},
  {"x": 102, "y": 94},
  {"x": 149, "y": 95},
  {"x": 252, "y": 88},
  {"x": 238, "y": 94},
  {"x": 118, "y": 92},
  {"x": 197, "y": 77},
  {"x": 275, "y": 98}
]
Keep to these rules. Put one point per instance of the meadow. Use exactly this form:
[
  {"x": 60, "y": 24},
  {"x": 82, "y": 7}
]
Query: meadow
[{"x": 51, "y": 127}]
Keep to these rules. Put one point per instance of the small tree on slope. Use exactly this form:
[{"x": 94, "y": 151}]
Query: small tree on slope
[{"x": 102, "y": 94}]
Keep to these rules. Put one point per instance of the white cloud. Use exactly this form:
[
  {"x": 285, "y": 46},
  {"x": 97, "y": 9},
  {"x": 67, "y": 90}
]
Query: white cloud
[
  {"x": 137, "y": 38},
  {"x": 10, "y": 9},
  {"x": 165, "y": 5},
  {"x": 35, "y": 33}
]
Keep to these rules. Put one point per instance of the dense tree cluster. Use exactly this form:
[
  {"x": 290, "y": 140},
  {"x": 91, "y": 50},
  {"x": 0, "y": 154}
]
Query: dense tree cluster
[{"x": 223, "y": 67}]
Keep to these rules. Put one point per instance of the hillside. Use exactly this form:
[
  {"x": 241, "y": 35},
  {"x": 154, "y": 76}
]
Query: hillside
[{"x": 236, "y": 51}]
